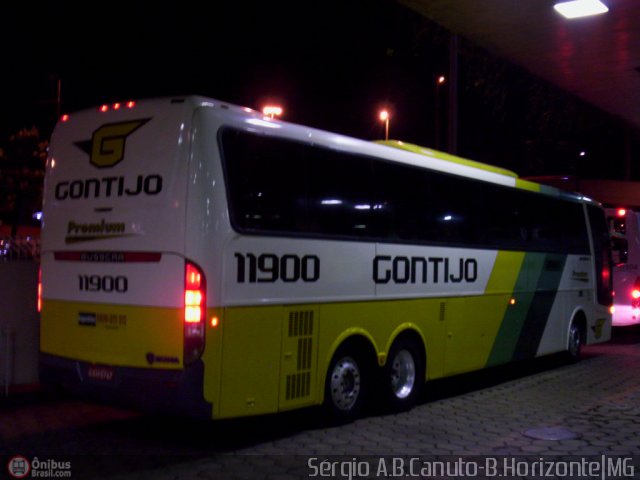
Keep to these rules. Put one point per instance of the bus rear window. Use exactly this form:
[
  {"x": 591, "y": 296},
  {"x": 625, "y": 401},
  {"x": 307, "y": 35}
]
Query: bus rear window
[{"x": 618, "y": 225}]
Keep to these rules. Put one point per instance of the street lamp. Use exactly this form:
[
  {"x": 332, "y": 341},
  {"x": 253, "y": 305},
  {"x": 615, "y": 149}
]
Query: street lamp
[
  {"x": 441, "y": 80},
  {"x": 384, "y": 116},
  {"x": 272, "y": 111}
]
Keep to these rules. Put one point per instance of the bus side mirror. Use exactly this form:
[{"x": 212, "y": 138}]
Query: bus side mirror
[{"x": 619, "y": 250}]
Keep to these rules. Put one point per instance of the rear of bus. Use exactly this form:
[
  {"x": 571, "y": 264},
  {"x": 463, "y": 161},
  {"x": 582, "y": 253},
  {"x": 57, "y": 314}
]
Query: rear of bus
[
  {"x": 122, "y": 306},
  {"x": 624, "y": 223}
]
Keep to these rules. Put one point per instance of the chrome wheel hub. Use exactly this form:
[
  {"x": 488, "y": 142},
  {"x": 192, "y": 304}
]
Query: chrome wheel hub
[
  {"x": 403, "y": 374},
  {"x": 345, "y": 384}
]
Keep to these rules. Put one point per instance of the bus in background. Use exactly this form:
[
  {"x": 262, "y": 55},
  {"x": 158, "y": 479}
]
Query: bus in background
[
  {"x": 624, "y": 222},
  {"x": 203, "y": 258}
]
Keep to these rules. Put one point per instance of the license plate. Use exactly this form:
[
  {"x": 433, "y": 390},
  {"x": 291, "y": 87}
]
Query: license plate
[{"x": 101, "y": 373}]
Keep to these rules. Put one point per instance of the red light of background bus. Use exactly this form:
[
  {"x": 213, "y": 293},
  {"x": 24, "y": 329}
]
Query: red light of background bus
[{"x": 622, "y": 212}]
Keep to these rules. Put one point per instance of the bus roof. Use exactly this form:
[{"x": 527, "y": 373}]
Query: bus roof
[{"x": 391, "y": 150}]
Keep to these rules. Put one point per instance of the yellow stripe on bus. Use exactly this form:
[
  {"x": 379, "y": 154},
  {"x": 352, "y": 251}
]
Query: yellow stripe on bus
[
  {"x": 120, "y": 335},
  {"x": 275, "y": 358},
  {"x": 410, "y": 147}
]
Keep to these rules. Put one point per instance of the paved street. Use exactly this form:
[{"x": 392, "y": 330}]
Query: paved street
[{"x": 592, "y": 406}]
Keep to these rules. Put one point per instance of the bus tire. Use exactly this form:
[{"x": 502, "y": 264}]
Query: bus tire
[
  {"x": 574, "y": 342},
  {"x": 347, "y": 384},
  {"x": 403, "y": 374}
]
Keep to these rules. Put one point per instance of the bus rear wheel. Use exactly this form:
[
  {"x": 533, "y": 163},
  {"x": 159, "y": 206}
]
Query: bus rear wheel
[{"x": 403, "y": 375}]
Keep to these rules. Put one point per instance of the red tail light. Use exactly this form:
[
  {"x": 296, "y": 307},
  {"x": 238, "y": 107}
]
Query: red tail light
[
  {"x": 635, "y": 294},
  {"x": 193, "y": 294},
  {"x": 606, "y": 274},
  {"x": 194, "y": 312}
]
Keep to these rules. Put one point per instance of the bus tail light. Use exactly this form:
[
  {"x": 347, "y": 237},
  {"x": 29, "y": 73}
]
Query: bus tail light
[{"x": 194, "y": 312}]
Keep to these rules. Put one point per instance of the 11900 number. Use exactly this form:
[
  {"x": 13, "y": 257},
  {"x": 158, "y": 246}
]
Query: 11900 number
[
  {"x": 268, "y": 267},
  {"x": 103, "y": 283}
]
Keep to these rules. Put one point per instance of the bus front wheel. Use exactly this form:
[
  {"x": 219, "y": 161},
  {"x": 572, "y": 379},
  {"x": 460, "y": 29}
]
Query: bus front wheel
[
  {"x": 346, "y": 385},
  {"x": 574, "y": 343}
]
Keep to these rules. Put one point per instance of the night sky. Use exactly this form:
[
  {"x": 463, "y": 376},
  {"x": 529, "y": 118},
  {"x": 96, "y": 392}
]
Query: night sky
[
  {"x": 331, "y": 64},
  {"x": 321, "y": 59}
]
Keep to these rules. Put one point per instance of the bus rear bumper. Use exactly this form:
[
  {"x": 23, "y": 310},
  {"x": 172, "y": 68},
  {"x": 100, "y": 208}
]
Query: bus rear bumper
[
  {"x": 625, "y": 315},
  {"x": 155, "y": 390}
]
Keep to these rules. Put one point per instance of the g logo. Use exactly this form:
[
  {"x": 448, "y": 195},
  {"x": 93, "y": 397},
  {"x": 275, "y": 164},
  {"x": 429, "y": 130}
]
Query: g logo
[{"x": 108, "y": 142}]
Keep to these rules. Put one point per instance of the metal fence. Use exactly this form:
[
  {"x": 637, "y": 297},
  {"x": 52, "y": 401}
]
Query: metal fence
[
  {"x": 19, "y": 319},
  {"x": 19, "y": 248}
]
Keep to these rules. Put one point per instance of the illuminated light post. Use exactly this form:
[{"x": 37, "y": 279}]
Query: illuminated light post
[
  {"x": 441, "y": 80},
  {"x": 272, "y": 111},
  {"x": 384, "y": 117}
]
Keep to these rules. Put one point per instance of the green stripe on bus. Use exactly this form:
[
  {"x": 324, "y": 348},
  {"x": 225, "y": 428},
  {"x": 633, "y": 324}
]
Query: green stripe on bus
[
  {"x": 525, "y": 320},
  {"x": 546, "y": 289},
  {"x": 516, "y": 314}
]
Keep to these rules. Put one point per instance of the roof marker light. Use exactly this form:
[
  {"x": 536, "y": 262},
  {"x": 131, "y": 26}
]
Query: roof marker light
[{"x": 104, "y": 108}]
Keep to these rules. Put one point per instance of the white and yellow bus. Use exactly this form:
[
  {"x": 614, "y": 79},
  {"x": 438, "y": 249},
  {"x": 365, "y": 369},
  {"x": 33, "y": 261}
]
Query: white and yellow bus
[{"x": 200, "y": 257}]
